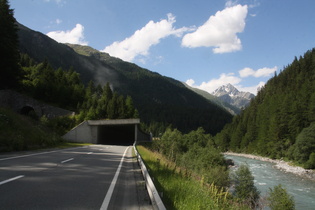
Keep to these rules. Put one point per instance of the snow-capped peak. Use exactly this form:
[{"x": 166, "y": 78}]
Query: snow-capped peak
[
  {"x": 226, "y": 89},
  {"x": 230, "y": 94}
]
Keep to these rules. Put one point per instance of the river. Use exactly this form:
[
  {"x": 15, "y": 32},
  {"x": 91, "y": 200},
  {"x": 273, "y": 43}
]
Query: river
[{"x": 303, "y": 190}]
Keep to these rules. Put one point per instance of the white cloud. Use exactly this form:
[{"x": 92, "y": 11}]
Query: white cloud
[
  {"x": 190, "y": 82},
  {"x": 220, "y": 31},
  {"x": 263, "y": 72},
  {"x": 57, "y": 21},
  {"x": 59, "y": 2},
  {"x": 74, "y": 36},
  {"x": 141, "y": 41},
  {"x": 254, "y": 4},
  {"x": 224, "y": 79},
  {"x": 253, "y": 89},
  {"x": 230, "y": 3},
  {"x": 213, "y": 84}
]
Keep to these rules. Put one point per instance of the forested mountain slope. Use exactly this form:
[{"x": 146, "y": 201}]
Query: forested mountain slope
[
  {"x": 280, "y": 121},
  {"x": 157, "y": 98}
]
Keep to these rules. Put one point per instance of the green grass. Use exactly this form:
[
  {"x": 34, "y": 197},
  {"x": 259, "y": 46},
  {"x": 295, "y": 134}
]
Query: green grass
[
  {"x": 179, "y": 190},
  {"x": 18, "y": 132}
]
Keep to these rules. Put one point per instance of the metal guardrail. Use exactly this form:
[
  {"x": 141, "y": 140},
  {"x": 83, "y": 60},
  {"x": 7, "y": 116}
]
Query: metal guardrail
[{"x": 153, "y": 193}]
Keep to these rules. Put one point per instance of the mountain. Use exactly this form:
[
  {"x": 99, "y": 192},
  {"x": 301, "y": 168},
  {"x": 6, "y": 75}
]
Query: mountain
[
  {"x": 280, "y": 120},
  {"x": 158, "y": 98},
  {"x": 229, "y": 94},
  {"x": 230, "y": 108}
]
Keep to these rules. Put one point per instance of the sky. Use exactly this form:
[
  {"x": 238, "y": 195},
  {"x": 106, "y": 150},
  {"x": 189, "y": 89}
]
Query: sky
[{"x": 205, "y": 43}]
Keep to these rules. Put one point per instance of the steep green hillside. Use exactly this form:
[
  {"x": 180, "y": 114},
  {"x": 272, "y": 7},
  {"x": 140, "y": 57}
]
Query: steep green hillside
[
  {"x": 278, "y": 122},
  {"x": 40, "y": 47},
  {"x": 22, "y": 133},
  {"x": 158, "y": 98}
]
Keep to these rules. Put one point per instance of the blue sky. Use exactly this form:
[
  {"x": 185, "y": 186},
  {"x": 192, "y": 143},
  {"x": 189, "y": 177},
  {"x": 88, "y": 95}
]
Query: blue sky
[{"x": 205, "y": 43}]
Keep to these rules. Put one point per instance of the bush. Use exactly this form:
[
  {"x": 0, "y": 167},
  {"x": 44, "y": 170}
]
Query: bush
[
  {"x": 195, "y": 152},
  {"x": 310, "y": 164},
  {"x": 245, "y": 189},
  {"x": 279, "y": 199},
  {"x": 20, "y": 132},
  {"x": 60, "y": 125}
]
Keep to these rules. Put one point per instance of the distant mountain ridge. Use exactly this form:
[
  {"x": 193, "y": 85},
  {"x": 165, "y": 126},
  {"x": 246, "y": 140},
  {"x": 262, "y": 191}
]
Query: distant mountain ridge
[
  {"x": 229, "y": 94},
  {"x": 230, "y": 108},
  {"x": 157, "y": 98}
]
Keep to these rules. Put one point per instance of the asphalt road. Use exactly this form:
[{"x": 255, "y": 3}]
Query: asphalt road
[{"x": 92, "y": 177}]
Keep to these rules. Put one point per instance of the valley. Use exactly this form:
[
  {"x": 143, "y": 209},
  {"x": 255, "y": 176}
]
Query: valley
[{"x": 191, "y": 129}]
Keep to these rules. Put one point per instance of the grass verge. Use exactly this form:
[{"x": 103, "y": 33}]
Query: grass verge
[{"x": 179, "y": 191}]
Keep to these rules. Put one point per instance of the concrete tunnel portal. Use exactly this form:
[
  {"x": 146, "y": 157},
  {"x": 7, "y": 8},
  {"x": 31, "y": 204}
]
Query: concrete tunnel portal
[{"x": 110, "y": 132}]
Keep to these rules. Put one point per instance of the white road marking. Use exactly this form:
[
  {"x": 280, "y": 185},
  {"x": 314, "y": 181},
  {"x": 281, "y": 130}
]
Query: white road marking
[
  {"x": 90, "y": 153},
  {"x": 21, "y": 156},
  {"x": 12, "y": 179},
  {"x": 112, "y": 185},
  {"x": 40, "y": 153},
  {"x": 67, "y": 160}
]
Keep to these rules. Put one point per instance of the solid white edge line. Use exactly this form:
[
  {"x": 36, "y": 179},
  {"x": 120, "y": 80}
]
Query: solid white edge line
[
  {"x": 67, "y": 160},
  {"x": 40, "y": 153},
  {"x": 22, "y": 156},
  {"x": 12, "y": 179},
  {"x": 113, "y": 183}
]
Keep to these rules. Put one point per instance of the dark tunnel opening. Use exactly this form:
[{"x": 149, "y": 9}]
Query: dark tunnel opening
[
  {"x": 27, "y": 110},
  {"x": 116, "y": 134}
]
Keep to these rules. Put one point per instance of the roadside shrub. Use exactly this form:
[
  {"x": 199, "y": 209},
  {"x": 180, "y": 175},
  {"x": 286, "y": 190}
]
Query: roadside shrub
[
  {"x": 61, "y": 125},
  {"x": 195, "y": 152}
]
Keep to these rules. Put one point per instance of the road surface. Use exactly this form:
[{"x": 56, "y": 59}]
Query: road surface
[{"x": 92, "y": 177}]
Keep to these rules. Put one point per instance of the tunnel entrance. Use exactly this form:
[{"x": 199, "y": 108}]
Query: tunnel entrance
[
  {"x": 28, "y": 111},
  {"x": 116, "y": 134},
  {"x": 112, "y": 132}
]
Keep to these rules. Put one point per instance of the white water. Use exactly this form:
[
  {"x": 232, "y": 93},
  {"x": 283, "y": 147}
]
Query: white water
[{"x": 303, "y": 190}]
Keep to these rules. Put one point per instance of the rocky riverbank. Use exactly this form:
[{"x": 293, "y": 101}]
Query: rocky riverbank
[{"x": 280, "y": 164}]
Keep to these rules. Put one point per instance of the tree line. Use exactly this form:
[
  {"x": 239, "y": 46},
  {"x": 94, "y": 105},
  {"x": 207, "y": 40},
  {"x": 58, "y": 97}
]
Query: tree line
[
  {"x": 280, "y": 121},
  {"x": 65, "y": 89}
]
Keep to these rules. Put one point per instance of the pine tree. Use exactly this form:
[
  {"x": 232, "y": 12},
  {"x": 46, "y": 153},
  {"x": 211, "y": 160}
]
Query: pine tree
[
  {"x": 305, "y": 144},
  {"x": 107, "y": 92},
  {"x": 130, "y": 112},
  {"x": 279, "y": 199},
  {"x": 10, "y": 72},
  {"x": 112, "y": 110},
  {"x": 245, "y": 189}
]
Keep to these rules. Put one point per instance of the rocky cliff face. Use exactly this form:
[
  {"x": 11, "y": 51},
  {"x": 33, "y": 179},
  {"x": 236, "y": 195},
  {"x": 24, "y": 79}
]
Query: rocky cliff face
[{"x": 228, "y": 93}]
